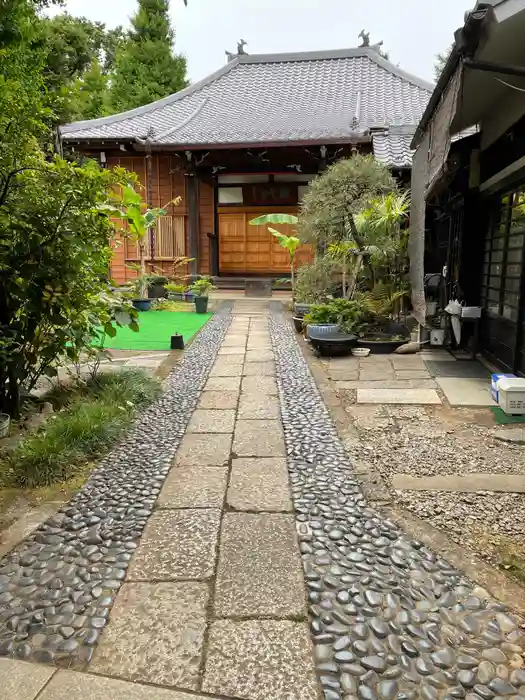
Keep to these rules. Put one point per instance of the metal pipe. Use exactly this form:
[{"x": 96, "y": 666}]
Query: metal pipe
[{"x": 490, "y": 67}]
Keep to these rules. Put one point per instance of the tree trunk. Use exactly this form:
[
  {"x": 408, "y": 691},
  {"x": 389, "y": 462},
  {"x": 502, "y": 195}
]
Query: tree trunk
[
  {"x": 292, "y": 275},
  {"x": 143, "y": 285}
]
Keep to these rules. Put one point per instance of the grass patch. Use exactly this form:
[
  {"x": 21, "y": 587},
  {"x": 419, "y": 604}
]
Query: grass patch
[
  {"x": 87, "y": 426},
  {"x": 507, "y": 553},
  {"x": 156, "y": 329}
]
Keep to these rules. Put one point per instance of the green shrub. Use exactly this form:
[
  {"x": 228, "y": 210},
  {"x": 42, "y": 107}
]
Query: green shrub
[
  {"x": 82, "y": 431},
  {"x": 349, "y": 314},
  {"x": 128, "y": 385},
  {"x": 316, "y": 281}
]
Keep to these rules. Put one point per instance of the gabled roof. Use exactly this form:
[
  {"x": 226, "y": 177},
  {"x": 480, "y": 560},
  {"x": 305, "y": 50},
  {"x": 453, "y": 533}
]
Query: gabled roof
[{"x": 313, "y": 97}]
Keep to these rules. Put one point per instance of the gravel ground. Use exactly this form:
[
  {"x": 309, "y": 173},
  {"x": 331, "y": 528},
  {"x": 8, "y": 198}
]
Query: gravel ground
[
  {"x": 58, "y": 586},
  {"x": 389, "y": 618},
  {"x": 427, "y": 442}
]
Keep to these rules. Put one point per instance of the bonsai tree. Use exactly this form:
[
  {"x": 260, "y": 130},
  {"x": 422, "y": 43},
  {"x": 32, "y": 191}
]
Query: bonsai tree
[
  {"x": 334, "y": 199},
  {"x": 289, "y": 243},
  {"x": 129, "y": 206}
]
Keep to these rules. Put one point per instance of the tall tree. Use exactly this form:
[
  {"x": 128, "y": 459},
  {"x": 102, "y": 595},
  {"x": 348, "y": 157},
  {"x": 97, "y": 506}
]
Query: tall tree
[
  {"x": 441, "y": 61},
  {"x": 54, "y": 242},
  {"x": 146, "y": 67},
  {"x": 80, "y": 59},
  {"x": 89, "y": 97}
]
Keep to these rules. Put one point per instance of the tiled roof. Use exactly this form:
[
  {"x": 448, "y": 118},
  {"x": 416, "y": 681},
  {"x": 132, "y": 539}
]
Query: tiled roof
[
  {"x": 392, "y": 146},
  {"x": 303, "y": 97}
]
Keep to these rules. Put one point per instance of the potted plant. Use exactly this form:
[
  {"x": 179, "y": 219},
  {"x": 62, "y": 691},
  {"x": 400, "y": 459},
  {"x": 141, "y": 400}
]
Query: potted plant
[
  {"x": 129, "y": 206},
  {"x": 136, "y": 288},
  {"x": 321, "y": 319},
  {"x": 289, "y": 243},
  {"x": 379, "y": 331},
  {"x": 176, "y": 291},
  {"x": 201, "y": 289},
  {"x": 157, "y": 286}
]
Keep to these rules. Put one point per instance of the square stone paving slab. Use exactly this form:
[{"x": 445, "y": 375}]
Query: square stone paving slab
[
  {"x": 260, "y": 660},
  {"x": 194, "y": 487},
  {"x": 259, "y": 571},
  {"x": 257, "y": 406},
  {"x": 466, "y": 392},
  {"x": 260, "y": 385},
  {"x": 204, "y": 448},
  {"x": 221, "y": 369},
  {"x": 232, "y": 351},
  {"x": 412, "y": 374},
  {"x": 259, "y": 355},
  {"x": 407, "y": 361},
  {"x": 259, "y": 484},
  {"x": 234, "y": 340},
  {"x": 155, "y": 634},
  {"x": 259, "y": 369},
  {"x": 258, "y": 438},
  {"x": 219, "y": 399},
  {"x": 211, "y": 421},
  {"x": 400, "y": 396},
  {"x": 177, "y": 544},
  {"x": 70, "y": 685},
  {"x": 22, "y": 681},
  {"x": 379, "y": 384},
  {"x": 371, "y": 374},
  {"x": 259, "y": 344},
  {"x": 223, "y": 384}
]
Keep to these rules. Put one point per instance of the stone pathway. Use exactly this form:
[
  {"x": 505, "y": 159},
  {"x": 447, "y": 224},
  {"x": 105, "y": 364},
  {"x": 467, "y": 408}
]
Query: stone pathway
[{"x": 215, "y": 603}]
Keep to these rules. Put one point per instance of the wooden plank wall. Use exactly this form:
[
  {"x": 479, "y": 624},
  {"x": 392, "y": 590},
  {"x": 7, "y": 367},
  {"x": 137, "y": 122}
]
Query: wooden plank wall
[
  {"x": 167, "y": 183},
  {"x": 207, "y": 225}
]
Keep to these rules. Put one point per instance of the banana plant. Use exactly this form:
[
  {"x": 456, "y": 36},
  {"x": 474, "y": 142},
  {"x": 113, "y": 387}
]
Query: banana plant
[
  {"x": 289, "y": 243},
  {"x": 129, "y": 206}
]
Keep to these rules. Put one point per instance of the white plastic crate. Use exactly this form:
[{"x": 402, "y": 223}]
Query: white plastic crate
[
  {"x": 511, "y": 395},
  {"x": 494, "y": 380}
]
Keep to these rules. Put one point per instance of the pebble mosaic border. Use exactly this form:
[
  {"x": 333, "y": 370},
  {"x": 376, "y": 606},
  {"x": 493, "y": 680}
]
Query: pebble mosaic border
[
  {"x": 58, "y": 586},
  {"x": 389, "y": 618}
]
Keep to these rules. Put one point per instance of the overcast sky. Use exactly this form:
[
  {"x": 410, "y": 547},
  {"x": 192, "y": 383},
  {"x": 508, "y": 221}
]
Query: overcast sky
[{"x": 413, "y": 31}]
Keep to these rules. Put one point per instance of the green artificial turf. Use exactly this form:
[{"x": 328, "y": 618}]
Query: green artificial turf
[
  {"x": 156, "y": 329},
  {"x": 503, "y": 419}
]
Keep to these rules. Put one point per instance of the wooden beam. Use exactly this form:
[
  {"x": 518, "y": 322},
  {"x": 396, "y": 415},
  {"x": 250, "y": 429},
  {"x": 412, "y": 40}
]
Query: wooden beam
[{"x": 192, "y": 193}]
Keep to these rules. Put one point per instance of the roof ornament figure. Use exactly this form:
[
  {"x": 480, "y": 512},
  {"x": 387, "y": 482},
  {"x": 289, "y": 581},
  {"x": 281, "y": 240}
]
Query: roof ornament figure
[
  {"x": 240, "y": 50},
  {"x": 365, "y": 37}
]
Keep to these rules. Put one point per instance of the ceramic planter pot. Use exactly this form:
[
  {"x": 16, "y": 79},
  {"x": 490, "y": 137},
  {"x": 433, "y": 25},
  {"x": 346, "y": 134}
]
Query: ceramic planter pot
[
  {"x": 301, "y": 310},
  {"x": 321, "y": 329},
  {"x": 298, "y": 323},
  {"x": 201, "y": 304},
  {"x": 157, "y": 291},
  {"x": 142, "y": 304},
  {"x": 381, "y": 347}
]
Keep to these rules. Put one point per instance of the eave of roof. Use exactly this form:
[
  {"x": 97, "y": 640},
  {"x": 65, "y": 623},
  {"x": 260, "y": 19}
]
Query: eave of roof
[
  {"x": 477, "y": 19},
  {"x": 70, "y": 131}
]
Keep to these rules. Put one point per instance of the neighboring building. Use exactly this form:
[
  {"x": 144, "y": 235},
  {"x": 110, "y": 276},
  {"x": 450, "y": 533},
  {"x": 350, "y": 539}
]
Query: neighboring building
[
  {"x": 247, "y": 140},
  {"x": 470, "y": 168}
]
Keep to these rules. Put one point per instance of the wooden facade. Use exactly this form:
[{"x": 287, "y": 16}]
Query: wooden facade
[{"x": 219, "y": 198}]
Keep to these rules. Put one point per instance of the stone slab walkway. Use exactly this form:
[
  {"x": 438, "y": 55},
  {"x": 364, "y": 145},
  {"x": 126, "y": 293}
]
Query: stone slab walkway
[
  {"x": 214, "y": 600},
  {"x": 235, "y": 556}
]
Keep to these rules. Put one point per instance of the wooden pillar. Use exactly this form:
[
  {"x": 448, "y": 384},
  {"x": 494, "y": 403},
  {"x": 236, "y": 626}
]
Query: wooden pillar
[
  {"x": 149, "y": 197},
  {"x": 192, "y": 193}
]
